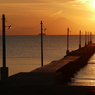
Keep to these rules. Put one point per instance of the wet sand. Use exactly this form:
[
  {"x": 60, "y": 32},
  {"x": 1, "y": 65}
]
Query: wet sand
[{"x": 46, "y": 90}]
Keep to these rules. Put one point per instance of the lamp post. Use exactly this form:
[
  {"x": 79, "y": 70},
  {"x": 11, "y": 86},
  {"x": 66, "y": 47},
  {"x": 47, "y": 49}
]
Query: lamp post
[
  {"x": 67, "y": 51},
  {"x": 41, "y": 43},
  {"x": 88, "y": 38},
  {"x": 91, "y": 37},
  {"x": 3, "y": 69},
  {"x": 85, "y": 38},
  {"x": 79, "y": 39},
  {"x": 3, "y": 41}
]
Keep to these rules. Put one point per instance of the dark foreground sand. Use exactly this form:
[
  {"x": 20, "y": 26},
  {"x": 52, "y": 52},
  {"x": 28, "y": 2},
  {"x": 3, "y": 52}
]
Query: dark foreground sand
[
  {"x": 35, "y": 85},
  {"x": 45, "y": 90}
]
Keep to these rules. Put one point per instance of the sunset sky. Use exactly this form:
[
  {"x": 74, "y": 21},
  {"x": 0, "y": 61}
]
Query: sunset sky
[{"x": 57, "y": 16}]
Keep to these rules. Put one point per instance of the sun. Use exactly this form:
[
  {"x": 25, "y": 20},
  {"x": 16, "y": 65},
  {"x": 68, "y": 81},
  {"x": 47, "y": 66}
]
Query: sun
[
  {"x": 93, "y": 4},
  {"x": 89, "y": 3}
]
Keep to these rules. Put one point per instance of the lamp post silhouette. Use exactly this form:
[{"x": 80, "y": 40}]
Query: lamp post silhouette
[
  {"x": 3, "y": 41},
  {"x": 90, "y": 38},
  {"x": 85, "y": 38},
  {"x": 41, "y": 43},
  {"x": 3, "y": 69},
  {"x": 67, "y": 51},
  {"x": 79, "y": 39}
]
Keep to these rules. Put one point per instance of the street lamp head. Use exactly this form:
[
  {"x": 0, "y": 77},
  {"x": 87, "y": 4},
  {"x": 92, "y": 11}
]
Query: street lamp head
[{"x": 9, "y": 27}]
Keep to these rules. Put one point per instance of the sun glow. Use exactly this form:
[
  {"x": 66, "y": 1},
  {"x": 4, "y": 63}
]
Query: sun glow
[{"x": 91, "y": 3}]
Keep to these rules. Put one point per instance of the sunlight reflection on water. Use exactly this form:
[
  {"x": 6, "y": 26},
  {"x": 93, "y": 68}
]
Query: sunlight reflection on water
[{"x": 86, "y": 75}]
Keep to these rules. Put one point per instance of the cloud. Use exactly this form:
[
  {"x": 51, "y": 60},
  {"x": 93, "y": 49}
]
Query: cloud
[
  {"x": 23, "y": 1},
  {"x": 41, "y": 1},
  {"x": 59, "y": 12},
  {"x": 34, "y": 1},
  {"x": 82, "y": 1}
]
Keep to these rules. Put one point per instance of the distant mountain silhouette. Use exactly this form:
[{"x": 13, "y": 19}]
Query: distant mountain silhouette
[{"x": 60, "y": 26}]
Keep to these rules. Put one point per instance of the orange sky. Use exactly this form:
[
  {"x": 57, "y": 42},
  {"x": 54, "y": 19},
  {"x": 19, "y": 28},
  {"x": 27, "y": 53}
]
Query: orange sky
[{"x": 57, "y": 15}]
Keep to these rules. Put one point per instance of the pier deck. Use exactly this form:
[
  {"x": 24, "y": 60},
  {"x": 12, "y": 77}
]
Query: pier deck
[{"x": 56, "y": 73}]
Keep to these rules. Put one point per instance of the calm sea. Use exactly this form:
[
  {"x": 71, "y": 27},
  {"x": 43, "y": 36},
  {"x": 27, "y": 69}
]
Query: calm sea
[{"x": 23, "y": 55}]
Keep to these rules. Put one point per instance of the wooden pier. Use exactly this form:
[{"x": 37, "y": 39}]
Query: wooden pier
[{"x": 56, "y": 73}]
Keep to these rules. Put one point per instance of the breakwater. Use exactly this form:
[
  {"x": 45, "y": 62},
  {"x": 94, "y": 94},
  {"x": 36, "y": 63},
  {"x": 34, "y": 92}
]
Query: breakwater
[{"x": 68, "y": 65}]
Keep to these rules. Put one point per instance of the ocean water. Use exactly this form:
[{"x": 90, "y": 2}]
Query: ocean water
[
  {"x": 86, "y": 75},
  {"x": 23, "y": 54}
]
